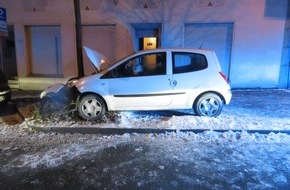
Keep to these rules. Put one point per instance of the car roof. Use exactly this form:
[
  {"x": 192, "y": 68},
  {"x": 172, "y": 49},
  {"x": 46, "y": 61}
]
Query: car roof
[{"x": 196, "y": 50}]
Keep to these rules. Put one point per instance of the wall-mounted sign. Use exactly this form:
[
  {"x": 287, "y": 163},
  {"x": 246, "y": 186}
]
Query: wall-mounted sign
[
  {"x": 150, "y": 43},
  {"x": 3, "y": 22}
]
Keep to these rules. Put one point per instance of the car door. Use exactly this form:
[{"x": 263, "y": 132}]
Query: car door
[
  {"x": 189, "y": 77},
  {"x": 140, "y": 82}
]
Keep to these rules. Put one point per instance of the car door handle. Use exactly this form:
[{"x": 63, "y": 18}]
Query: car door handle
[{"x": 173, "y": 83}]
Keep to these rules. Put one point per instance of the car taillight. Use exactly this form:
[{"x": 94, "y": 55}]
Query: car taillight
[{"x": 224, "y": 77}]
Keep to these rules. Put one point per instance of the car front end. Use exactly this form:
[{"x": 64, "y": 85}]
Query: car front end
[{"x": 65, "y": 94}]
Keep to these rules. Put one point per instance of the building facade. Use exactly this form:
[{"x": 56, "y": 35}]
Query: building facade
[{"x": 251, "y": 38}]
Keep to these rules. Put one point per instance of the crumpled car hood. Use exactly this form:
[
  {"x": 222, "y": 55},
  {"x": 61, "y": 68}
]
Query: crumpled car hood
[{"x": 98, "y": 60}]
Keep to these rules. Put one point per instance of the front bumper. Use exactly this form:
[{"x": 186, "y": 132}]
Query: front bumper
[
  {"x": 60, "y": 91},
  {"x": 52, "y": 90}
]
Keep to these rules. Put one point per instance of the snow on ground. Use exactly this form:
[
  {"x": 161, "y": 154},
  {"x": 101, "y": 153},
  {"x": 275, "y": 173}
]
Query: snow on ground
[
  {"x": 209, "y": 160},
  {"x": 248, "y": 110}
]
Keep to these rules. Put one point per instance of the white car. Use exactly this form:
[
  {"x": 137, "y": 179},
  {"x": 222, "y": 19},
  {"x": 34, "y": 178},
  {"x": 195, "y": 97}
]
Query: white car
[{"x": 158, "y": 79}]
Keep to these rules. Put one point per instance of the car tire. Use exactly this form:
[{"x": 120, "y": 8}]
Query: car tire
[
  {"x": 91, "y": 107},
  {"x": 209, "y": 105}
]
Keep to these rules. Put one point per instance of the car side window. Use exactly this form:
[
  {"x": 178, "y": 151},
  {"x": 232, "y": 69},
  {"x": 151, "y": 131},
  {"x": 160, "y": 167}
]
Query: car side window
[
  {"x": 142, "y": 65},
  {"x": 187, "y": 62}
]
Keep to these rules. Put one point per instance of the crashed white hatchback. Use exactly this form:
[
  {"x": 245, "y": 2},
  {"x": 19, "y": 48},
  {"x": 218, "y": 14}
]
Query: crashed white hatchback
[{"x": 158, "y": 79}]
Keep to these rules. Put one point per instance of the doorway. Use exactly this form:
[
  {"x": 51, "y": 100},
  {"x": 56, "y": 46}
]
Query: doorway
[
  {"x": 8, "y": 54},
  {"x": 147, "y": 35}
]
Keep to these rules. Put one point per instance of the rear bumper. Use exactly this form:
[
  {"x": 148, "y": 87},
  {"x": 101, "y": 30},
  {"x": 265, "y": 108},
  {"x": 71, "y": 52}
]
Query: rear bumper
[{"x": 227, "y": 96}]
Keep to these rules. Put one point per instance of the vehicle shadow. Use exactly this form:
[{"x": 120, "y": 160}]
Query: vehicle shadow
[{"x": 164, "y": 113}]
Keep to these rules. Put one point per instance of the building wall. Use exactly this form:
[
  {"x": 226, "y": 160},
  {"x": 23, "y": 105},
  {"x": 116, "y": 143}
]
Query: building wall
[
  {"x": 284, "y": 77},
  {"x": 255, "y": 48}
]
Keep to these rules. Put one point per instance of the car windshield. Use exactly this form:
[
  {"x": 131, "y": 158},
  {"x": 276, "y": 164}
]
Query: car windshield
[
  {"x": 105, "y": 66},
  {"x": 124, "y": 57}
]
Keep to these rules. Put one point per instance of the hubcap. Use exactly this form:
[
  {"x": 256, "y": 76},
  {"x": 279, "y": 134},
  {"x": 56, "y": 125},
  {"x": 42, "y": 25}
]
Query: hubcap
[
  {"x": 91, "y": 108},
  {"x": 209, "y": 107}
]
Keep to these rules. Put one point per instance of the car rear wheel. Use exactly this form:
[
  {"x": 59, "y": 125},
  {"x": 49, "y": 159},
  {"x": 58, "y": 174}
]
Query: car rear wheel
[
  {"x": 91, "y": 107},
  {"x": 209, "y": 105}
]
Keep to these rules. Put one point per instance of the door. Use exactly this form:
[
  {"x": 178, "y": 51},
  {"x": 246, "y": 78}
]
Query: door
[
  {"x": 140, "y": 82},
  {"x": 189, "y": 71},
  {"x": 44, "y": 50},
  {"x": 214, "y": 36}
]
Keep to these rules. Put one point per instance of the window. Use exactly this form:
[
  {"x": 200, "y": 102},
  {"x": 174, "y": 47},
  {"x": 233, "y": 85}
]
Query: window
[
  {"x": 188, "y": 62},
  {"x": 143, "y": 65}
]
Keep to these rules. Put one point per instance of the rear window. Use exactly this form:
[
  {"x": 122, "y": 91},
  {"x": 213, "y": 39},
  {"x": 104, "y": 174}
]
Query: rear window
[{"x": 187, "y": 62}]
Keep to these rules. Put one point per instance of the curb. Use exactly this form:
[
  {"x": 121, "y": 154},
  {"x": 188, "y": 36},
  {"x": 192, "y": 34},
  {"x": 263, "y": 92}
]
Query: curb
[{"x": 121, "y": 131}]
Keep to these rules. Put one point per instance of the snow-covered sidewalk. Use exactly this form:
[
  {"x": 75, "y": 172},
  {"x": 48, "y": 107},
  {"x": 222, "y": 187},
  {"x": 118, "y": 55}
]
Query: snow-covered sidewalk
[{"x": 248, "y": 110}]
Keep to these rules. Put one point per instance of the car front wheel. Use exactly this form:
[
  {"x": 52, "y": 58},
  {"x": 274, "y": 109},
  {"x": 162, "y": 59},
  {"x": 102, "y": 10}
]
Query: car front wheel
[
  {"x": 91, "y": 107},
  {"x": 209, "y": 105}
]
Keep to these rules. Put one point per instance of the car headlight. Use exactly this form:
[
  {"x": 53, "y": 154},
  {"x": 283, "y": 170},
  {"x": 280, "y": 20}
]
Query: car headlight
[{"x": 72, "y": 82}]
